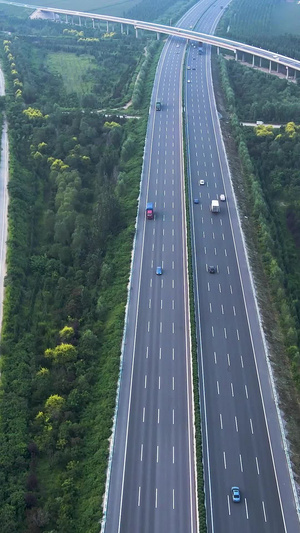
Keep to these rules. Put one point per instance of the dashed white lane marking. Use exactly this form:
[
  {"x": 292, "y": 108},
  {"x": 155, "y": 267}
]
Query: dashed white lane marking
[
  {"x": 149, "y": 305},
  {"x": 139, "y": 497},
  {"x": 257, "y": 467},
  {"x": 221, "y": 421},
  {"x": 158, "y": 415},
  {"x": 228, "y": 359},
  {"x": 145, "y": 381},
  {"x": 246, "y": 391},
  {"x": 228, "y": 504},
  {"x": 251, "y": 426},
  {"x": 212, "y": 331},
  {"x": 242, "y": 361},
  {"x": 173, "y": 417},
  {"x": 160, "y": 352},
  {"x": 236, "y": 424},
  {"x": 148, "y": 326},
  {"x": 241, "y": 463},
  {"x": 218, "y": 387},
  {"x": 158, "y": 382},
  {"x": 155, "y": 498},
  {"x": 142, "y": 448},
  {"x": 237, "y": 334},
  {"x": 232, "y": 391},
  {"x": 222, "y": 309},
  {"x": 173, "y": 454},
  {"x": 225, "y": 333},
  {"x": 173, "y": 383},
  {"x": 215, "y": 357},
  {"x": 157, "y": 453},
  {"x": 264, "y": 510},
  {"x": 143, "y": 414},
  {"x": 246, "y": 509},
  {"x": 147, "y": 352},
  {"x": 173, "y": 354},
  {"x": 224, "y": 459},
  {"x": 234, "y": 312},
  {"x": 173, "y": 498}
]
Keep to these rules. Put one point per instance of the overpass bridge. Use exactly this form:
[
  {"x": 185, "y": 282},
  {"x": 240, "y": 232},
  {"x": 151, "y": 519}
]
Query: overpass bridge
[{"x": 291, "y": 65}]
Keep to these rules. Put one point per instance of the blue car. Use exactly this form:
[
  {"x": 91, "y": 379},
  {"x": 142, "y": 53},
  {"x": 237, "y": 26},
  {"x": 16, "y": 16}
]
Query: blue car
[
  {"x": 196, "y": 200},
  {"x": 159, "y": 271},
  {"x": 236, "y": 495}
]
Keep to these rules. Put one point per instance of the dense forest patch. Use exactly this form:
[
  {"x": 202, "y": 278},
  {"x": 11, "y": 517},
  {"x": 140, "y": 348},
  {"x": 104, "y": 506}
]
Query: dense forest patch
[{"x": 74, "y": 184}]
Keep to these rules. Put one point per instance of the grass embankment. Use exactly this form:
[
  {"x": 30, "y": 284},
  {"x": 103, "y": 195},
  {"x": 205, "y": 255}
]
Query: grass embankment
[{"x": 76, "y": 71}]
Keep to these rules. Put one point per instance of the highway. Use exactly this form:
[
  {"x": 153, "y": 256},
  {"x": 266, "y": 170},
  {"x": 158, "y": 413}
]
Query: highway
[
  {"x": 152, "y": 484},
  {"x": 240, "y": 447},
  {"x": 178, "y": 31}
]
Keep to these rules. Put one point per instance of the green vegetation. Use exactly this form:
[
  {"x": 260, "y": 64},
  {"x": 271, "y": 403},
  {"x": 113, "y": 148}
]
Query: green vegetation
[
  {"x": 269, "y": 162},
  {"x": 74, "y": 183},
  {"x": 273, "y": 25},
  {"x": 195, "y": 360},
  {"x": 76, "y": 71},
  {"x": 105, "y": 7},
  {"x": 258, "y": 96}
]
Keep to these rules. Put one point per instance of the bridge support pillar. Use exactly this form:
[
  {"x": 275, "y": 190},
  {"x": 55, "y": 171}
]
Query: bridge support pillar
[
  {"x": 270, "y": 66},
  {"x": 79, "y": 19},
  {"x": 253, "y": 61},
  {"x": 127, "y": 30},
  {"x": 72, "y": 21},
  {"x": 218, "y": 50},
  {"x": 260, "y": 61},
  {"x": 295, "y": 77},
  {"x": 122, "y": 28},
  {"x": 235, "y": 55},
  {"x": 66, "y": 19},
  {"x": 107, "y": 27},
  {"x": 93, "y": 22},
  {"x": 137, "y": 33},
  {"x": 243, "y": 57},
  {"x": 287, "y": 73},
  {"x": 157, "y": 36}
]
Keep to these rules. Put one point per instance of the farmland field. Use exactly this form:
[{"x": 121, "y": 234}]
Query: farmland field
[
  {"x": 105, "y": 7},
  {"x": 74, "y": 70},
  {"x": 285, "y": 18}
]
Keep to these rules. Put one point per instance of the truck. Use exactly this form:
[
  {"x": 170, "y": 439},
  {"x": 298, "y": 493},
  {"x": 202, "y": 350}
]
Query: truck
[
  {"x": 158, "y": 106},
  {"x": 149, "y": 211},
  {"x": 200, "y": 47},
  {"x": 215, "y": 206}
]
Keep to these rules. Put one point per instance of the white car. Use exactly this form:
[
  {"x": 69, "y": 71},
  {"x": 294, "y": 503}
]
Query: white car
[
  {"x": 189, "y": 81},
  {"x": 202, "y": 182},
  {"x": 188, "y": 68},
  {"x": 222, "y": 197}
]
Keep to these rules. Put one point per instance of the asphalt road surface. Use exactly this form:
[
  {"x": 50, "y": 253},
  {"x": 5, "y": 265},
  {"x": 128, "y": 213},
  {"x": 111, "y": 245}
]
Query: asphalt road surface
[
  {"x": 152, "y": 482},
  {"x": 152, "y": 486},
  {"x": 240, "y": 447}
]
